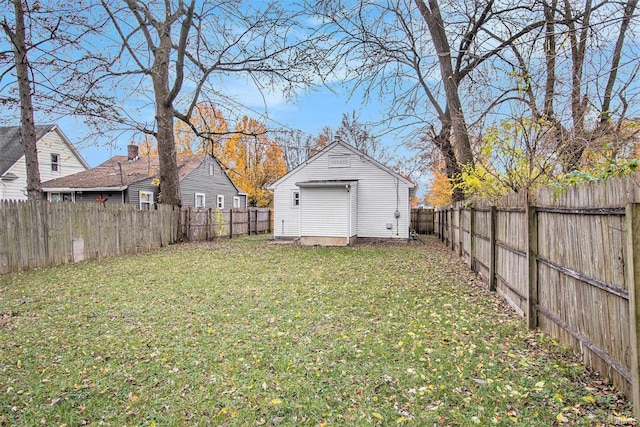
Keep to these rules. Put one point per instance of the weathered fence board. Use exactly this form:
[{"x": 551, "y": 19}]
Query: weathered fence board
[
  {"x": 568, "y": 262},
  {"x": 422, "y": 220},
  {"x": 198, "y": 224},
  {"x": 41, "y": 234}
]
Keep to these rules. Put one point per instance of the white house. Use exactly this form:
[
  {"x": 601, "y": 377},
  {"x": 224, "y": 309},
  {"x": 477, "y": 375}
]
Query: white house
[
  {"x": 57, "y": 157},
  {"x": 341, "y": 194}
]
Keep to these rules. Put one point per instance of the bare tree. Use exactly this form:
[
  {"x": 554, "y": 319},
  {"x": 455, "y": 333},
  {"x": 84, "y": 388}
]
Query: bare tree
[
  {"x": 18, "y": 37},
  {"x": 599, "y": 67},
  {"x": 360, "y": 136},
  {"x": 50, "y": 63},
  {"x": 425, "y": 59},
  {"x": 186, "y": 49},
  {"x": 295, "y": 145}
]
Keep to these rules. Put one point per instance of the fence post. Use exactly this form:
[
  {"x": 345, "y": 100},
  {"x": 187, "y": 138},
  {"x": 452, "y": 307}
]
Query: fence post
[
  {"x": 231, "y": 223},
  {"x": 460, "y": 231},
  {"x": 532, "y": 276},
  {"x": 188, "y": 227},
  {"x": 450, "y": 227},
  {"x": 208, "y": 225},
  {"x": 472, "y": 243},
  {"x": 492, "y": 248},
  {"x": 632, "y": 220}
]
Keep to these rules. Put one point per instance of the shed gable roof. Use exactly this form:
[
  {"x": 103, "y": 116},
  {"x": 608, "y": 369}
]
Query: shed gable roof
[{"x": 328, "y": 149}]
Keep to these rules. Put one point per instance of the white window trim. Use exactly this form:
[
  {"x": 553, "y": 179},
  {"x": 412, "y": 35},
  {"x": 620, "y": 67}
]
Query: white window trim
[
  {"x": 236, "y": 202},
  {"x": 49, "y": 198},
  {"x": 293, "y": 199},
  {"x": 56, "y": 163},
  {"x": 140, "y": 202},
  {"x": 204, "y": 200},
  {"x": 220, "y": 201},
  {"x": 211, "y": 169}
]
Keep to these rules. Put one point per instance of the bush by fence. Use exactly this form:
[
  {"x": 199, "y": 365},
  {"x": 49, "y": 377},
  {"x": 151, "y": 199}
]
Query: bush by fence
[
  {"x": 199, "y": 224},
  {"x": 569, "y": 262},
  {"x": 41, "y": 234}
]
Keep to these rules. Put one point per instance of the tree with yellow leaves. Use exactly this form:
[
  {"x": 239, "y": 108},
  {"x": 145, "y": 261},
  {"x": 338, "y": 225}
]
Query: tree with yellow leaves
[
  {"x": 441, "y": 190},
  {"x": 206, "y": 133},
  {"x": 253, "y": 162}
]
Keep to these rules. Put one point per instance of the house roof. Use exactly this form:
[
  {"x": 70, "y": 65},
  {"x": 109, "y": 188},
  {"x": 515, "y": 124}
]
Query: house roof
[
  {"x": 11, "y": 144},
  {"x": 118, "y": 173},
  {"x": 352, "y": 149}
]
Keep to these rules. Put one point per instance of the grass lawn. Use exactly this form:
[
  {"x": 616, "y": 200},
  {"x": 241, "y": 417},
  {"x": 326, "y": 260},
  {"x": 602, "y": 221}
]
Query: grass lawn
[{"x": 249, "y": 333}]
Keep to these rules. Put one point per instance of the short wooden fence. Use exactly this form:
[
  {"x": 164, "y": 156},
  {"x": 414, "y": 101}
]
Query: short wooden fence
[
  {"x": 42, "y": 234},
  {"x": 422, "y": 220},
  {"x": 569, "y": 262},
  {"x": 198, "y": 224}
]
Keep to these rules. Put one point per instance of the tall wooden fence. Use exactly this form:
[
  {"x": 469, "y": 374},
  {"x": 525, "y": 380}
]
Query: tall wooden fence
[
  {"x": 42, "y": 234},
  {"x": 569, "y": 262},
  {"x": 198, "y": 224},
  {"x": 422, "y": 220}
]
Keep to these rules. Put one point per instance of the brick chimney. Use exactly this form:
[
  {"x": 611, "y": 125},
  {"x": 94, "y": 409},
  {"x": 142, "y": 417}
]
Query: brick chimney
[{"x": 132, "y": 152}]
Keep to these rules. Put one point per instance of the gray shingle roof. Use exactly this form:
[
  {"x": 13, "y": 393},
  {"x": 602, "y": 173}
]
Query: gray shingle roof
[
  {"x": 107, "y": 174},
  {"x": 11, "y": 147}
]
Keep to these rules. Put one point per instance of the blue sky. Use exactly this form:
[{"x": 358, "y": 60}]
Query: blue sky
[{"x": 310, "y": 112}]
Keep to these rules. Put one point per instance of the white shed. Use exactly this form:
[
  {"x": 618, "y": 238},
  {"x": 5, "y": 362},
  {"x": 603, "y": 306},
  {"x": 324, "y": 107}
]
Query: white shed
[{"x": 339, "y": 195}]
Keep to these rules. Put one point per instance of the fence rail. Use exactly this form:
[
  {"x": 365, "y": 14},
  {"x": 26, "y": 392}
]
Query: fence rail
[
  {"x": 198, "y": 224},
  {"x": 41, "y": 234},
  {"x": 422, "y": 220},
  {"x": 568, "y": 262}
]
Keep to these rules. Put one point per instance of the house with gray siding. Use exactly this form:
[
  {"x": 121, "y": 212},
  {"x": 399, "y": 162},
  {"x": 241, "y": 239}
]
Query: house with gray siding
[
  {"x": 134, "y": 179},
  {"x": 57, "y": 157},
  {"x": 339, "y": 195}
]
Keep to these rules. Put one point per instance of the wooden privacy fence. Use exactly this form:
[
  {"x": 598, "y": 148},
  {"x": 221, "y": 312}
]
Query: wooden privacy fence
[
  {"x": 422, "y": 220},
  {"x": 199, "y": 224},
  {"x": 569, "y": 262},
  {"x": 41, "y": 234}
]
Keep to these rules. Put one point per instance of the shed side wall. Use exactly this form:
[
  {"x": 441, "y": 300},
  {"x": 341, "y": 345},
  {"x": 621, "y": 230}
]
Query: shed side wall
[{"x": 379, "y": 194}]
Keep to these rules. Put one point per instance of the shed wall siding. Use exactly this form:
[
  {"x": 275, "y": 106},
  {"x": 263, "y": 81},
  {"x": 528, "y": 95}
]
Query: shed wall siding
[
  {"x": 354, "y": 209},
  {"x": 199, "y": 181},
  {"x": 47, "y": 145},
  {"x": 286, "y": 222},
  {"x": 379, "y": 194},
  {"x": 113, "y": 198},
  {"x": 133, "y": 192}
]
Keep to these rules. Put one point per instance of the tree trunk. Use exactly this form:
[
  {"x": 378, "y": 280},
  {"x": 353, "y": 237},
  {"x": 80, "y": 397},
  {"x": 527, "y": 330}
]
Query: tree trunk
[
  {"x": 27, "y": 125},
  {"x": 573, "y": 148},
  {"x": 461, "y": 143},
  {"x": 169, "y": 181}
]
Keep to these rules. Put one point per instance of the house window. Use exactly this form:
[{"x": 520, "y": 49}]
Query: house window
[
  {"x": 55, "y": 162},
  {"x": 220, "y": 201},
  {"x": 146, "y": 200},
  {"x": 200, "y": 200},
  {"x": 211, "y": 169},
  {"x": 339, "y": 161},
  {"x": 236, "y": 202},
  {"x": 295, "y": 200},
  {"x": 61, "y": 197}
]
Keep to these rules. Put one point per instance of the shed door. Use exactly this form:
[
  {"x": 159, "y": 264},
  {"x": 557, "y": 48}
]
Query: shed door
[{"x": 324, "y": 211}]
